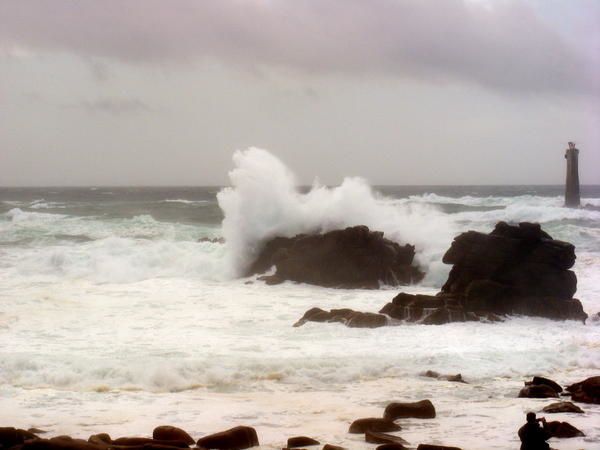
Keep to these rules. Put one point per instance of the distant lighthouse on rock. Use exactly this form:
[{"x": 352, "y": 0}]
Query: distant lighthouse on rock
[{"x": 572, "y": 197}]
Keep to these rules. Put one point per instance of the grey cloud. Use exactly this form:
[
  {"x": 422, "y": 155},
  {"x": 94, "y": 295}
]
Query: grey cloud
[{"x": 505, "y": 47}]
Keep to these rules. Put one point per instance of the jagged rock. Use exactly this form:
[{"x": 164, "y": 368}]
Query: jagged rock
[
  {"x": 236, "y": 438},
  {"x": 562, "y": 407},
  {"x": 563, "y": 430},
  {"x": 375, "y": 437},
  {"x": 586, "y": 391},
  {"x": 423, "y": 409},
  {"x": 301, "y": 441},
  {"x": 170, "y": 433},
  {"x": 351, "y": 258},
  {"x": 349, "y": 317},
  {"x": 373, "y": 424}
]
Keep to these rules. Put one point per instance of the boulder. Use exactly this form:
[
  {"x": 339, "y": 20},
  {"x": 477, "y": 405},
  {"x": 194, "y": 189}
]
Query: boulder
[
  {"x": 61, "y": 443},
  {"x": 100, "y": 439},
  {"x": 586, "y": 391},
  {"x": 375, "y": 437},
  {"x": 546, "y": 381},
  {"x": 373, "y": 424},
  {"x": 391, "y": 447},
  {"x": 170, "y": 433},
  {"x": 562, "y": 407},
  {"x": 301, "y": 441},
  {"x": 10, "y": 436},
  {"x": 351, "y": 258},
  {"x": 141, "y": 441},
  {"x": 333, "y": 447},
  {"x": 454, "y": 378},
  {"x": 423, "y": 409},
  {"x": 537, "y": 391},
  {"x": 236, "y": 438},
  {"x": 563, "y": 430}
]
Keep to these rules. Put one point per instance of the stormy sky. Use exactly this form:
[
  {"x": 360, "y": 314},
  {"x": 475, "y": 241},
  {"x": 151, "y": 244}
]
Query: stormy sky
[{"x": 154, "y": 92}]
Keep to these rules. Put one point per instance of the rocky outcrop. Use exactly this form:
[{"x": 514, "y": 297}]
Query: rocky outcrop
[
  {"x": 540, "y": 387},
  {"x": 351, "y": 258},
  {"x": 586, "y": 391}
]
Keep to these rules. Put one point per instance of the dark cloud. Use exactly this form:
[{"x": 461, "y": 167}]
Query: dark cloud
[
  {"x": 114, "y": 105},
  {"x": 505, "y": 46}
]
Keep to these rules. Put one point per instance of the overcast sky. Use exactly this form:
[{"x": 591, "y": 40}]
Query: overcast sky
[{"x": 156, "y": 92}]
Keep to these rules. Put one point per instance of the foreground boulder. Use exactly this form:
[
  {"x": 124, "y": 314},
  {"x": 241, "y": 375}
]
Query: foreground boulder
[
  {"x": 10, "y": 436},
  {"x": 423, "y": 409},
  {"x": 236, "y": 438},
  {"x": 586, "y": 391},
  {"x": 563, "y": 430},
  {"x": 170, "y": 433},
  {"x": 351, "y": 258},
  {"x": 540, "y": 387}
]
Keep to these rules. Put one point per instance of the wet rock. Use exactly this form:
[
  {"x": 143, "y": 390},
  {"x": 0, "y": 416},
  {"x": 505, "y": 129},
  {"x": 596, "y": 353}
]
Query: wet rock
[
  {"x": 351, "y": 258},
  {"x": 61, "y": 443},
  {"x": 301, "y": 441},
  {"x": 333, "y": 447},
  {"x": 10, "y": 436},
  {"x": 170, "y": 433},
  {"x": 586, "y": 391},
  {"x": 423, "y": 409},
  {"x": 236, "y": 438},
  {"x": 563, "y": 430},
  {"x": 562, "y": 407},
  {"x": 537, "y": 391},
  {"x": 375, "y": 437},
  {"x": 349, "y": 317},
  {"x": 391, "y": 447},
  {"x": 373, "y": 424},
  {"x": 436, "y": 447}
]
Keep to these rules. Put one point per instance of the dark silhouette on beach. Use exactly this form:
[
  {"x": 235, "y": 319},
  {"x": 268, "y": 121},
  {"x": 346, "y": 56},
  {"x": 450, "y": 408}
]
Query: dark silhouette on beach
[{"x": 534, "y": 437}]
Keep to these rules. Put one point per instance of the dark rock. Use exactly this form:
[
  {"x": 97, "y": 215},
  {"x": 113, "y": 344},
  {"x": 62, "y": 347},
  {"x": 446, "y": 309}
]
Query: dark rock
[
  {"x": 563, "y": 430},
  {"x": 373, "y": 424},
  {"x": 170, "y": 433},
  {"x": 375, "y": 437},
  {"x": 349, "y": 317},
  {"x": 423, "y": 409},
  {"x": 436, "y": 447},
  {"x": 351, "y": 258},
  {"x": 236, "y": 438},
  {"x": 61, "y": 443},
  {"x": 301, "y": 441},
  {"x": 100, "y": 439},
  {"x": 513, "y": 270},
  {"x": 586, "y": 391},
  {"x": 391, "y": 447},
  {"x": 548, "y": 382},
  {"x": 562, "y": 407},
  {"x": 10, "y": 437},
  {"x": 139, "y": 441},
  {"x": 537, "y": 391},
  {"x": 333, "y": 447}
]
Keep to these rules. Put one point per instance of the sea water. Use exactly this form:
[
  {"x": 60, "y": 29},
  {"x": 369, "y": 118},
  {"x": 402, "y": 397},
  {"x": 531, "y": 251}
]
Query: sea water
[{"x": 116, "y": 317}]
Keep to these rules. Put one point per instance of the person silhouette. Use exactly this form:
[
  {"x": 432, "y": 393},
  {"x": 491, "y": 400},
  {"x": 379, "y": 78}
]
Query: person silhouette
[{"x": 534, "y": 437}]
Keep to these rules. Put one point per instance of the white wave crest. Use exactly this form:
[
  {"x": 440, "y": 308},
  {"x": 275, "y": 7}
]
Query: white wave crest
[{"x": 263, "y": 202}]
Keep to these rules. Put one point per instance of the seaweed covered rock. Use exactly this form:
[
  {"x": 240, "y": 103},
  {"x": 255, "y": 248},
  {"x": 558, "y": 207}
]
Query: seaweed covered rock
[{"x": 351, "y": 258}]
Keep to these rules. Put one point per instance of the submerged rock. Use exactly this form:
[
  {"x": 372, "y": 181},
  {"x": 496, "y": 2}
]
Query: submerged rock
[
  {"x": 351, "y": 258},
  {"x": 349, "y": 317},
  {"x": 301, "y": 441},
  {"x": 454, "y": 378}
]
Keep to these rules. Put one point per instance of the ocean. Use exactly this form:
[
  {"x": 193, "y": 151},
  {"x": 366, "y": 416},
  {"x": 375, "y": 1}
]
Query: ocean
[{"x": 115, "y": 315}]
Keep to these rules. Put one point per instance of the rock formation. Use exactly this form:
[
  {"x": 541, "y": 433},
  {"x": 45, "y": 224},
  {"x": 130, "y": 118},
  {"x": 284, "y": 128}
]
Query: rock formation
[{"x": 351, "y": 258}]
